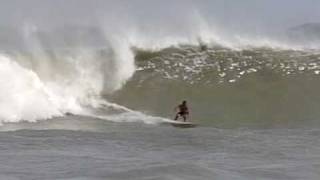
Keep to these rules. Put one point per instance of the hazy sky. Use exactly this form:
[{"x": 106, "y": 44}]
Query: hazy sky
[{"x": 233, "y": 14}]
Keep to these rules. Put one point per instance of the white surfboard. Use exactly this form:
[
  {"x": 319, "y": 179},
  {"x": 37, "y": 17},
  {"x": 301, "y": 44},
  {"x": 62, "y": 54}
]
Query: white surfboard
[{"x": 180, "y": 124}]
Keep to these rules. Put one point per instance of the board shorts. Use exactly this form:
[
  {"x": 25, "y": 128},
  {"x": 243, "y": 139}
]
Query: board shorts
[{"x": 183, "y": 113}]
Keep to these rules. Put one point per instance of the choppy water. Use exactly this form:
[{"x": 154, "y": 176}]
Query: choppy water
[{"x": 97, "y": 149}]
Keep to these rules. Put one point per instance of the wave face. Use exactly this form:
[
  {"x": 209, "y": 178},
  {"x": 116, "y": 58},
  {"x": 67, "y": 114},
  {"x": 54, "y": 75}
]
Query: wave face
[{"x": 251, "y": 87}]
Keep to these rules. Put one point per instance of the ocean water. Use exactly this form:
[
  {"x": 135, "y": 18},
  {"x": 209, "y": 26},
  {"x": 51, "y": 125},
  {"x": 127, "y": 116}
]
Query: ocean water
[
  {"x": 78, "y": 147},
  {"x": 253, "y": 87},
  {"x": 95, "y": 101},
  {"x": 256, "y": 110}
]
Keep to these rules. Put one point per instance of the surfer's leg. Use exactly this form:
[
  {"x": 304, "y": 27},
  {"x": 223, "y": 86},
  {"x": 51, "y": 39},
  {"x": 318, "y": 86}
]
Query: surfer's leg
[
  {"x": 184, "y": 117},
  {"x": 177, "y": 116}
]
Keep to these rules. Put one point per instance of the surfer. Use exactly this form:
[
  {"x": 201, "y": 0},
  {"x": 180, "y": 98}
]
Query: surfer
[{"x": 183, "y": 111}]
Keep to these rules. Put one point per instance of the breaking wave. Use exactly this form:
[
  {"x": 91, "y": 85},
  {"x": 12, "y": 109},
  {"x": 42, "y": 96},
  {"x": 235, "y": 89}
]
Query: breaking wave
[{"x": 53, "y": 73}]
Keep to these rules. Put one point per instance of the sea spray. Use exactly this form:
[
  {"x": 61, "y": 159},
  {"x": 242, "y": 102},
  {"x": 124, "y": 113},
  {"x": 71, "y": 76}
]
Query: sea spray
[{"x": 40, "y": 83}]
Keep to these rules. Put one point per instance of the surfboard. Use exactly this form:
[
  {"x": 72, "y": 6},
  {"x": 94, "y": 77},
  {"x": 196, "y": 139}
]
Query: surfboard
[
  {"x": 179, "y": 124},
  {"x": 184, "y": 125}
]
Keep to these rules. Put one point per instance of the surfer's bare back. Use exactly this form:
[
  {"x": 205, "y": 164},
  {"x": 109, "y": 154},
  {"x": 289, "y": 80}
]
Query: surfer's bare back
[{"x": 182, "y": 111}]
